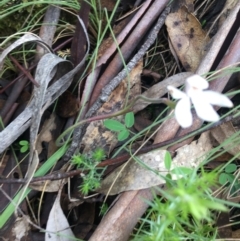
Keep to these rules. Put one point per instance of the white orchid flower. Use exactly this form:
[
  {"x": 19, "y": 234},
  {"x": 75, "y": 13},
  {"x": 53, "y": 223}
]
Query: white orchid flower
[{"x": 201, "y": 99}]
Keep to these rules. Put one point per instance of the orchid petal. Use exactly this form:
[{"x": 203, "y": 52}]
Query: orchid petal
[
  {"x": 203, "y": 108},
  {"x": 183, "y": 112},
  {"x": 176, "y": 93},
  {"x": 196, "y": 82},
  {"x": 215, "y": 98}
]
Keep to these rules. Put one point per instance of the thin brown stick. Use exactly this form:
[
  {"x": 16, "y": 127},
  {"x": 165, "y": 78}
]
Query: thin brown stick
[{"x": 27, "y": 73}]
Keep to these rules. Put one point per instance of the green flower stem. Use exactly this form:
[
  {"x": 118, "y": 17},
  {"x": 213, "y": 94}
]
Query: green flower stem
[{"x": 121, "y": 112}]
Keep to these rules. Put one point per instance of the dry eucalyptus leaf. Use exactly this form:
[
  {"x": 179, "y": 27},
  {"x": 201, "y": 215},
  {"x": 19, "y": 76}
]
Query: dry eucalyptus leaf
[
  {"x": 222, "y": 133},
  {"x": 51, "y": 185},
  {"x": 20, "y": 229},
  {"x": 189, "y": 4},
  {"x": 194, "y": 153},
  {"x": 45, "y": 134},
  {"x": 160, "y": 89},
  {"x": 28, "y": 37},
  {"x": 45, "y": 71},
  {"x": 96, "y": 134},
  {"x": 187, "y": 37},
  {"x": 134, "y": 176},
  {"x": 58, "y": 228},
  {"x": 22, "y": 122},
  {"x": 48, "y": 186}
]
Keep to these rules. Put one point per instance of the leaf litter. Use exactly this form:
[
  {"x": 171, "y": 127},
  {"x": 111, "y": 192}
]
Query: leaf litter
[
  {"x": 148, "y": 170},
  {"x": 134, "y": 176},
  {"x": 57, "y": 225}
]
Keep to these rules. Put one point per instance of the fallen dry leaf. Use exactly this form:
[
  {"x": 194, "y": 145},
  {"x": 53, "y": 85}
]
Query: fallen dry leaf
[
  {"x": 45, "y": 134},
  {"x": 47, "y": 186},
  {"x": 187, "y": 37},
  {"x": 194, "y": 153},
  {"x": 96, "y": 134},
  {"x": 57, "y": 225},
  {"x": 51, "y": 185},
  {"x": 20, "y": 229},
  {"x": 222, "y": 133},
  {"x": 189, "y": 4},
  {"x": 135, "y": 176},
  {"x": 160, "y": 89}
]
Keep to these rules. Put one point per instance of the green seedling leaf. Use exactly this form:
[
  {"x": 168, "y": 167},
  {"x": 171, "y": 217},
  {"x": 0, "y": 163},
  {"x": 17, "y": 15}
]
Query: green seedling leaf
[
  {"x": 168, "y": 160},
  {"x": 225, "y": 178},
  {"x": 24, "y": 146},
  {"x": 231, "y": 168},
  {"x": 129, "y": 119},
  {"x": 169, "y": 176},
  {"x": 182, "y": 171},
  {"x": 24, "y": 149},
  {"x": 122, "y": 135},
  {"x": 23, "y": 143},
  {"x": 231, "y": 178},
  {"x": 114, "y": 125}
]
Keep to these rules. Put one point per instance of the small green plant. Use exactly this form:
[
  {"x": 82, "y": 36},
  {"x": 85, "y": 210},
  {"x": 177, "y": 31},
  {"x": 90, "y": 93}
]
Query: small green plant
[
  {"x": 228, "y": 174},
  {"x": 91, "y": 174},
  {"x": 228, "y": 178},
  {"x": 24, "y": 146},
  {"x": 186, "y": 211},
  {"x": 121, "y": 129},
  {"x": 179, "y": 171}
]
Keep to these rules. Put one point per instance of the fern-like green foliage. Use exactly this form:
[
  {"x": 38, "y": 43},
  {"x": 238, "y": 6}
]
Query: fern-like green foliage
[{"x": 92, "y": 174}]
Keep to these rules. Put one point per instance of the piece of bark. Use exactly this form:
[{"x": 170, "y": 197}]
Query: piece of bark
[
  {"x": 127, "y": 210},
  {"x": 79, "y": 42}
]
